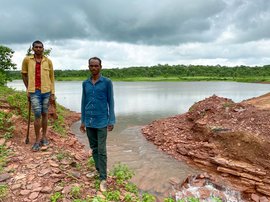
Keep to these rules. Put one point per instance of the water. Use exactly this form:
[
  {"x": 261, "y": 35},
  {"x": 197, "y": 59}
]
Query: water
[{"x": 139, "y": 103}]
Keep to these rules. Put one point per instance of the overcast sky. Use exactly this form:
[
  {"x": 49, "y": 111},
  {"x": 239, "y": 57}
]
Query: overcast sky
[{"x": 139, "y": 32}]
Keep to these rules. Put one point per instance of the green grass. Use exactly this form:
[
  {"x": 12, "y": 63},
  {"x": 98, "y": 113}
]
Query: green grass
[{"x": 3, "y": 191}]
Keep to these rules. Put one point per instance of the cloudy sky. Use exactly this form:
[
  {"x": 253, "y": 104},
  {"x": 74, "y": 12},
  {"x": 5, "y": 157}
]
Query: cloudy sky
[{"x": 140, "y": 32}]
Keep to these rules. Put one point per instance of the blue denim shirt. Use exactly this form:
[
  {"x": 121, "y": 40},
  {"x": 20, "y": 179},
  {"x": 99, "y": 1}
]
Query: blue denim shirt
[{"x": 97, "y": 107}]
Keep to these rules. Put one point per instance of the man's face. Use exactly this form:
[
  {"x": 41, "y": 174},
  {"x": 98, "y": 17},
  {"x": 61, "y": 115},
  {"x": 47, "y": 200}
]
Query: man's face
[
  {"x": 38, "y": 48},
  {"x": 94, "y": 67}
]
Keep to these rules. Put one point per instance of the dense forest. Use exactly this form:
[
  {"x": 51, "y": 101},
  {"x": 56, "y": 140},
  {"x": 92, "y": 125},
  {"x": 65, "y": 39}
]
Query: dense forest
[{"x": 174, "y": 72}]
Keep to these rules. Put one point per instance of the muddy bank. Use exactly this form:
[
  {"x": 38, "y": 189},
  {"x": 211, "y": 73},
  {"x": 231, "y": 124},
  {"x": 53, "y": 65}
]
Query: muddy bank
[{"x": 228, "y": 140}]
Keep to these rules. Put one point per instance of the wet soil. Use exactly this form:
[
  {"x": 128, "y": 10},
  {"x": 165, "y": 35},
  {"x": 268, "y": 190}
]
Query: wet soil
[{"x": 228, "y": 140}]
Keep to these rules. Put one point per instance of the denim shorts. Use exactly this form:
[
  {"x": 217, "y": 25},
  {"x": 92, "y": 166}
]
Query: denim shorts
[{"x": 39, "y": 102}]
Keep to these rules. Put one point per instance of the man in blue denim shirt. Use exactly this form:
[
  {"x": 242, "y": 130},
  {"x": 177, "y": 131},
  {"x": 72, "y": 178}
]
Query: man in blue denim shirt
[{"x": 97, "y": 115}]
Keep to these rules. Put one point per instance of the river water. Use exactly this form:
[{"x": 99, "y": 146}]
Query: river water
[{"x": 140, "y": 103}]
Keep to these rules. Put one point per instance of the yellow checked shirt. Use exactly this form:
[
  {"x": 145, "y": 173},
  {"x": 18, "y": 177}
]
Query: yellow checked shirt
[{"x": 46, "y": 72}]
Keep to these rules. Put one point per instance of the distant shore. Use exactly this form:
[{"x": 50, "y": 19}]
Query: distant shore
[{"x": 265, "y": 80}]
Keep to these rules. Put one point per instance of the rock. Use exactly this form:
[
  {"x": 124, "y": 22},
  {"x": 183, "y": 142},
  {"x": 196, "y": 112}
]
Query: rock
[
  {"x": 227, "y": 170},
  {"x": 53, "y": 164},
  {"x": 75, "y": 174},
  {"x": 58, "y": 188},
  {"x": 46, "y": 190},
  {"x": 20, "y": 176},
  {"x": 44, "y": 172},
  {"x": 264, "y": 199},
  {"x": 4, "y": 177},
  {"x": 24, "y": 192},
  {"x": 255, "y": 197},
  {"x": 33, "y": 195},
  {"x": 2, "y": 141},
  {"x": 66, "y": 189},
  {"x": 16, "y": 186},
  {"x": 204, "y": 193}
]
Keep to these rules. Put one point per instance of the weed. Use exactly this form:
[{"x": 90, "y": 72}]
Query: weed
[
  {"x": 56, "y": 197},
  {"x": 4, "y": 153},
  {"x": 97, "y": 183},
  {"x": 90, "y": 162},
  {"x": 112, "y": 195},
  {"x": 78, "y": 166},
  {"x": 75, "y": 192},
  {"x": 130, "y": 187},
  {"x": 146, "y": 197},
  {"x": 192, "y": 199},
  {"x": 98, "y": 199},
  {"x": 227, "y": 104},
  {"x": 122, "y": 173},
  {"x": 216, "y": 199},
  {"x": 3, "y": 191},
  {"x": 170, "y": 199},
  {"x": 62, "y": 155},
  {"x": 129, "y": 198}
]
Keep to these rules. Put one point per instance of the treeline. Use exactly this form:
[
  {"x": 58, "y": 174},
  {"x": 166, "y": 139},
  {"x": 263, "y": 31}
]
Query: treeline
[{"x": 168, "y": 71}]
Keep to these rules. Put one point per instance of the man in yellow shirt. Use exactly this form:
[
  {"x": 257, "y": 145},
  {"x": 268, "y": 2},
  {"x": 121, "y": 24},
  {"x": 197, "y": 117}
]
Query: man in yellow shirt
[{"x": 38, "y": 77}]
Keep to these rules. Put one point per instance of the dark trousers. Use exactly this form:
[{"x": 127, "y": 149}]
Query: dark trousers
[{"x": 97, "y": 140}]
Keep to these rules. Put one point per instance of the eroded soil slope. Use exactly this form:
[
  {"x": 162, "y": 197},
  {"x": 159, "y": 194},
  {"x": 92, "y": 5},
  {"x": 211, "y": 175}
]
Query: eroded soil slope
[{"x": 222, "y": 137}]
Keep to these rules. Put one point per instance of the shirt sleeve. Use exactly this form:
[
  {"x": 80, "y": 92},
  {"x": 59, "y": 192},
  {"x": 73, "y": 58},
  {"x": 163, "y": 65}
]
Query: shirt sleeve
[
  {"x": 52, "y": 77},
  {"x": 25, "y": 66},
  {"x": 110, "y": 100},
  {"x": 83, "y": 106}
]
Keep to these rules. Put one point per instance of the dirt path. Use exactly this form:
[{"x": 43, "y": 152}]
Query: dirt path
[{"x": 36, "y": 176}]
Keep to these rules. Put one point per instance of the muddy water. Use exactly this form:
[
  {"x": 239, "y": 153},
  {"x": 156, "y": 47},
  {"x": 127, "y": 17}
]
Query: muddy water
[
  {"x": 139, "y": 103},
  {"x": 153, "y": 169}
]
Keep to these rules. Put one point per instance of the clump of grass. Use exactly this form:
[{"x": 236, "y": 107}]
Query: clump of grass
[
  {"x": 112, "y": 195},
  {"x": 3, "y": 191},
  {"x": 146, "y": 197},
  {"x": 75, "y": 192},
  {"x": 56, "y": 197},
  {"x": 90, "y": 162},
  {"x": 4, "y": 153},
  {"x": 122, "y": 173}
]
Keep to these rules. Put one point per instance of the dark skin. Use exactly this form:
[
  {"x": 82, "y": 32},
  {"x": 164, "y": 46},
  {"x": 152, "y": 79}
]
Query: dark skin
[
  {"x": 43, "y": 121},
  {"x": 95, "y": 68}
]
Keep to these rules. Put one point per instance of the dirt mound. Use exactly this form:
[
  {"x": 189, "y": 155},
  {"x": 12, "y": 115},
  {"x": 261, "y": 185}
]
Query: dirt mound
[{"x": 227, "y": 138}]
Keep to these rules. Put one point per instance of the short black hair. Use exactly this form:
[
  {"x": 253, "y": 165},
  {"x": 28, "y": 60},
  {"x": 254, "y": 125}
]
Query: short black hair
[
  {"x": 95, "y": 58},
  {"x": 37, "y": 42}
]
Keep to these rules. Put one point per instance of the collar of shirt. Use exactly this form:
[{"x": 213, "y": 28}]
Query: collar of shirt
[{"x": 100, "y": 79}]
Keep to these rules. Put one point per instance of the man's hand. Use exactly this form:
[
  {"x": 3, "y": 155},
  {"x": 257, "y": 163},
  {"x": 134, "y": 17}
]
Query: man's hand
[
  {"x": 110, "y": 127},
  {"x": 28, "y": 96},
  {"x": 82, "y": 128},
  {"x": 52, "y": 97}
]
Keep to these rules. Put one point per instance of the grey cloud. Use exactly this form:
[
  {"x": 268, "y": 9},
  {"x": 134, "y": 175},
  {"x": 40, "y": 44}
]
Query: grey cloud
[
  {"x": 138, "y": 22},
  {"x": 142, "y": 22}
]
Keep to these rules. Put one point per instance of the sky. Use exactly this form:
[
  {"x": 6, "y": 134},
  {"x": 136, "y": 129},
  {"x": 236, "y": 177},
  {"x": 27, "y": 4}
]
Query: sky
[{"x": 139, "y": 32}]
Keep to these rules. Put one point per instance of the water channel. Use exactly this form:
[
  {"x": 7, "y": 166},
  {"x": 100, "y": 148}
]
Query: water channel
[{"x": 139, "y": 103}]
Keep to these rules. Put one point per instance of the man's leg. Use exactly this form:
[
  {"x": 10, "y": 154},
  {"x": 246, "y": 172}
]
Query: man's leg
[
  {"x": 44, "y": 122},
  {"x": 102, "y": 152},
  {"x": 44, "y": 125},
  {"x": 37, "y": 129},
  {"x": 93, "y": 142},
  {"x": 36, "y": 107}
]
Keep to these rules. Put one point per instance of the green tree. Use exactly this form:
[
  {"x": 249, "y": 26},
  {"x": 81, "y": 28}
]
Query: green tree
[{"x": 6, "y": 64}]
